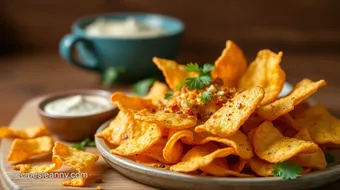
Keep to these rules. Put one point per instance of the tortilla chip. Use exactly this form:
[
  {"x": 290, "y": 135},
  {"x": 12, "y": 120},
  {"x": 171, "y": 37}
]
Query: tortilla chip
[
  {"x": 270, "y": 145},
  {"x": 251, "y": 123},
  {"x": 120, "y": 129},
  {"x": 146, "y": 160},
  {"x": 167, "y": 120},
  {"x": 172, "y": 154},
  {"x": 231, "y": 65},
  {"x": 79, "y": 160},
  {"x": 219, "y": 167},
  {"x": 302, "y": 91},
  {"x": 23, "y": 149},
  {"x": 123, "y": 101},
  {"x": 238, "y": 141},
  {"x": 173, "y": 72},
  {"x": 27, "y": 133},
  {"x": 239, "y": 166},
  {"x": 286, "y": 125},
  {"x": 323, "y": 127},
  {"x": 265, "y": 72},
  {"x": 200, "y": 156},
  {"x": 149, "y": 134},
  {"x": 156, "y": 152},
  {"x": 261, "y": 167},
  {"x": 315, "y": 160},
  {"x": 63, "y": 154},
  {"x": 157, "y": 92},
  {"x": 301, "y": 107},
  {"x": 228, "y": 119}
]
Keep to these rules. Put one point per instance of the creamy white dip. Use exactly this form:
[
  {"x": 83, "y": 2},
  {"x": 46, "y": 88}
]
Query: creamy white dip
[
  {"x": 78, "y": 105},
  {"x": 128, "y": 28}
]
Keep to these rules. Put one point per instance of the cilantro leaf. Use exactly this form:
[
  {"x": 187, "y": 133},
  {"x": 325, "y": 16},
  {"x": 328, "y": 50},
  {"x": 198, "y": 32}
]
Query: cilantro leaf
[
  {"x": 142, "y": 87},
  {"x": 78, "y": 146},
  {"x": 168, "y": 95},
  {"x": 287, "y": 170},
  {"x": 205, "y": 79},
  {"x": 81, "y": 145},
  {"x": 194, "y": 83},
  {"x": 329, "y": 157},
  {"x": 110, "y": 75},
  {"x": 207, "y": 68},
  {"x": 192, "y": 67},
  {"x": 91, "y": 144},
  {"x": 206, "y": 97}
]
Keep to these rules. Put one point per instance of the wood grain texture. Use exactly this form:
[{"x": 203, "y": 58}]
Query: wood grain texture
[{"x": 26, "y": 117}]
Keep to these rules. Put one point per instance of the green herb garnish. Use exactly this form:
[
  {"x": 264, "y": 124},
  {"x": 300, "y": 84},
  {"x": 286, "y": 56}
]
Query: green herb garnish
[
  {"x": 81, "y": 145},
  {"x": 168, "y": 95},
  {"x": 287, "y": 170},
  {"x": 329, "y": 157},
  {"x": 110, "y": 75},
  {"x": 141, "y": 88},
  {"x": 203, "y": 77},
  {"x": 206, "y": 97}
]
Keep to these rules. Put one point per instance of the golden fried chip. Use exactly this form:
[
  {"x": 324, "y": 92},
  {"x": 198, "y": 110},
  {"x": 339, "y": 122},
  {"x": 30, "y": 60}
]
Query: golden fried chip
[
  {"x": 286, "y": 125},
  {"x": 123, "y": 101},
  {"x": 270, "y": 145},
  {"x": 167, "y": 120},
  {"x": 301, "y": 107},
  {"x": 251, "y": 123},
  {"x": 63, "y": 154},
  {"x": 173, "y": 72},
  {"x": 146, "y": 160},
  {"x": 200, "y": 156},
  {"x": 302, "y": 91},
  {"x": 228, "y": 119},
  {"x": 149, "y": 134},
  {"x": 265, "y": 72},
  {"x": 79, "y": 160},
  {"x": 157, "y": 92},
  {"x": 323, "y": 127},
  {"x": 239, "y": 141},
  {"x": 169, "y": 151},
  {"x": 315, "y": 160},
  {"x": 231, "y": 65},
  {"x": 156, "y": 151},
  {"x": 261, "y": 167},
  {"x": 120, "y": 129},
  {"x": 239, "y": 166},
  {"x": 27, "y": 133},
  {"x": 219, "y": 167},
  {"x": 23, "y": 149}
]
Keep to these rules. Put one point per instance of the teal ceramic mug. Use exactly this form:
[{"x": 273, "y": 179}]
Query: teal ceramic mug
[{"x": 131, "y": 56}]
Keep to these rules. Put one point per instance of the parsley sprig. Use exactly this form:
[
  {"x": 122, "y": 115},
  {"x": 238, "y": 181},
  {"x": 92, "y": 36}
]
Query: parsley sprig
[
  {"x": 287, "y": 170},
  {"x": 86, "y": 142},
  {"x": 203, "y": 77},
  {"x": 168, "y": 95},
  {"x": 206, "y": 97}
]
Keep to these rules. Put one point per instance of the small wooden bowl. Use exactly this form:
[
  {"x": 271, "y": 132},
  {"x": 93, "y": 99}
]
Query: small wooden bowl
[{"x": 75, "y": 128}]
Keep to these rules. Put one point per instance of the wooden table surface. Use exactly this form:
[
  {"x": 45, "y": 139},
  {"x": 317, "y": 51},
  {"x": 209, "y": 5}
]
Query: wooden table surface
[{"x": 24, "y": 76}]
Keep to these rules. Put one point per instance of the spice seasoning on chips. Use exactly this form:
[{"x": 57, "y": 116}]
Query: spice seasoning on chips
[{"x": 217, "y": 114}]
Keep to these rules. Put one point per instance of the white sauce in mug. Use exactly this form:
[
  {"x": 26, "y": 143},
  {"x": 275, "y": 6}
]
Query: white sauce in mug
[
  {"x": 128, "y": 28},
  {"x": 78, "y": 105}
]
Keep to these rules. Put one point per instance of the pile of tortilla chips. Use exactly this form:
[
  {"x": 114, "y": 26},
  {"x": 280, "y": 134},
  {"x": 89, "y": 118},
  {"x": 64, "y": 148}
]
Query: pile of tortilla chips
[
  {"x": 246, "y": 136},
  {"x": 31, "y": 142}
]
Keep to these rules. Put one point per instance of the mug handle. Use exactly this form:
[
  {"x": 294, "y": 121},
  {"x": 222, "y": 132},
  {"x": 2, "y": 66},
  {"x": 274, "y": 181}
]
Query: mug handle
[{"x": 66, "y": 48}]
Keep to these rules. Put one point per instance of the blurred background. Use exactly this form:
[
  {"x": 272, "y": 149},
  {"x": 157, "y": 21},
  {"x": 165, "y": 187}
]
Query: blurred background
[{"x": 308, "y": 32}]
